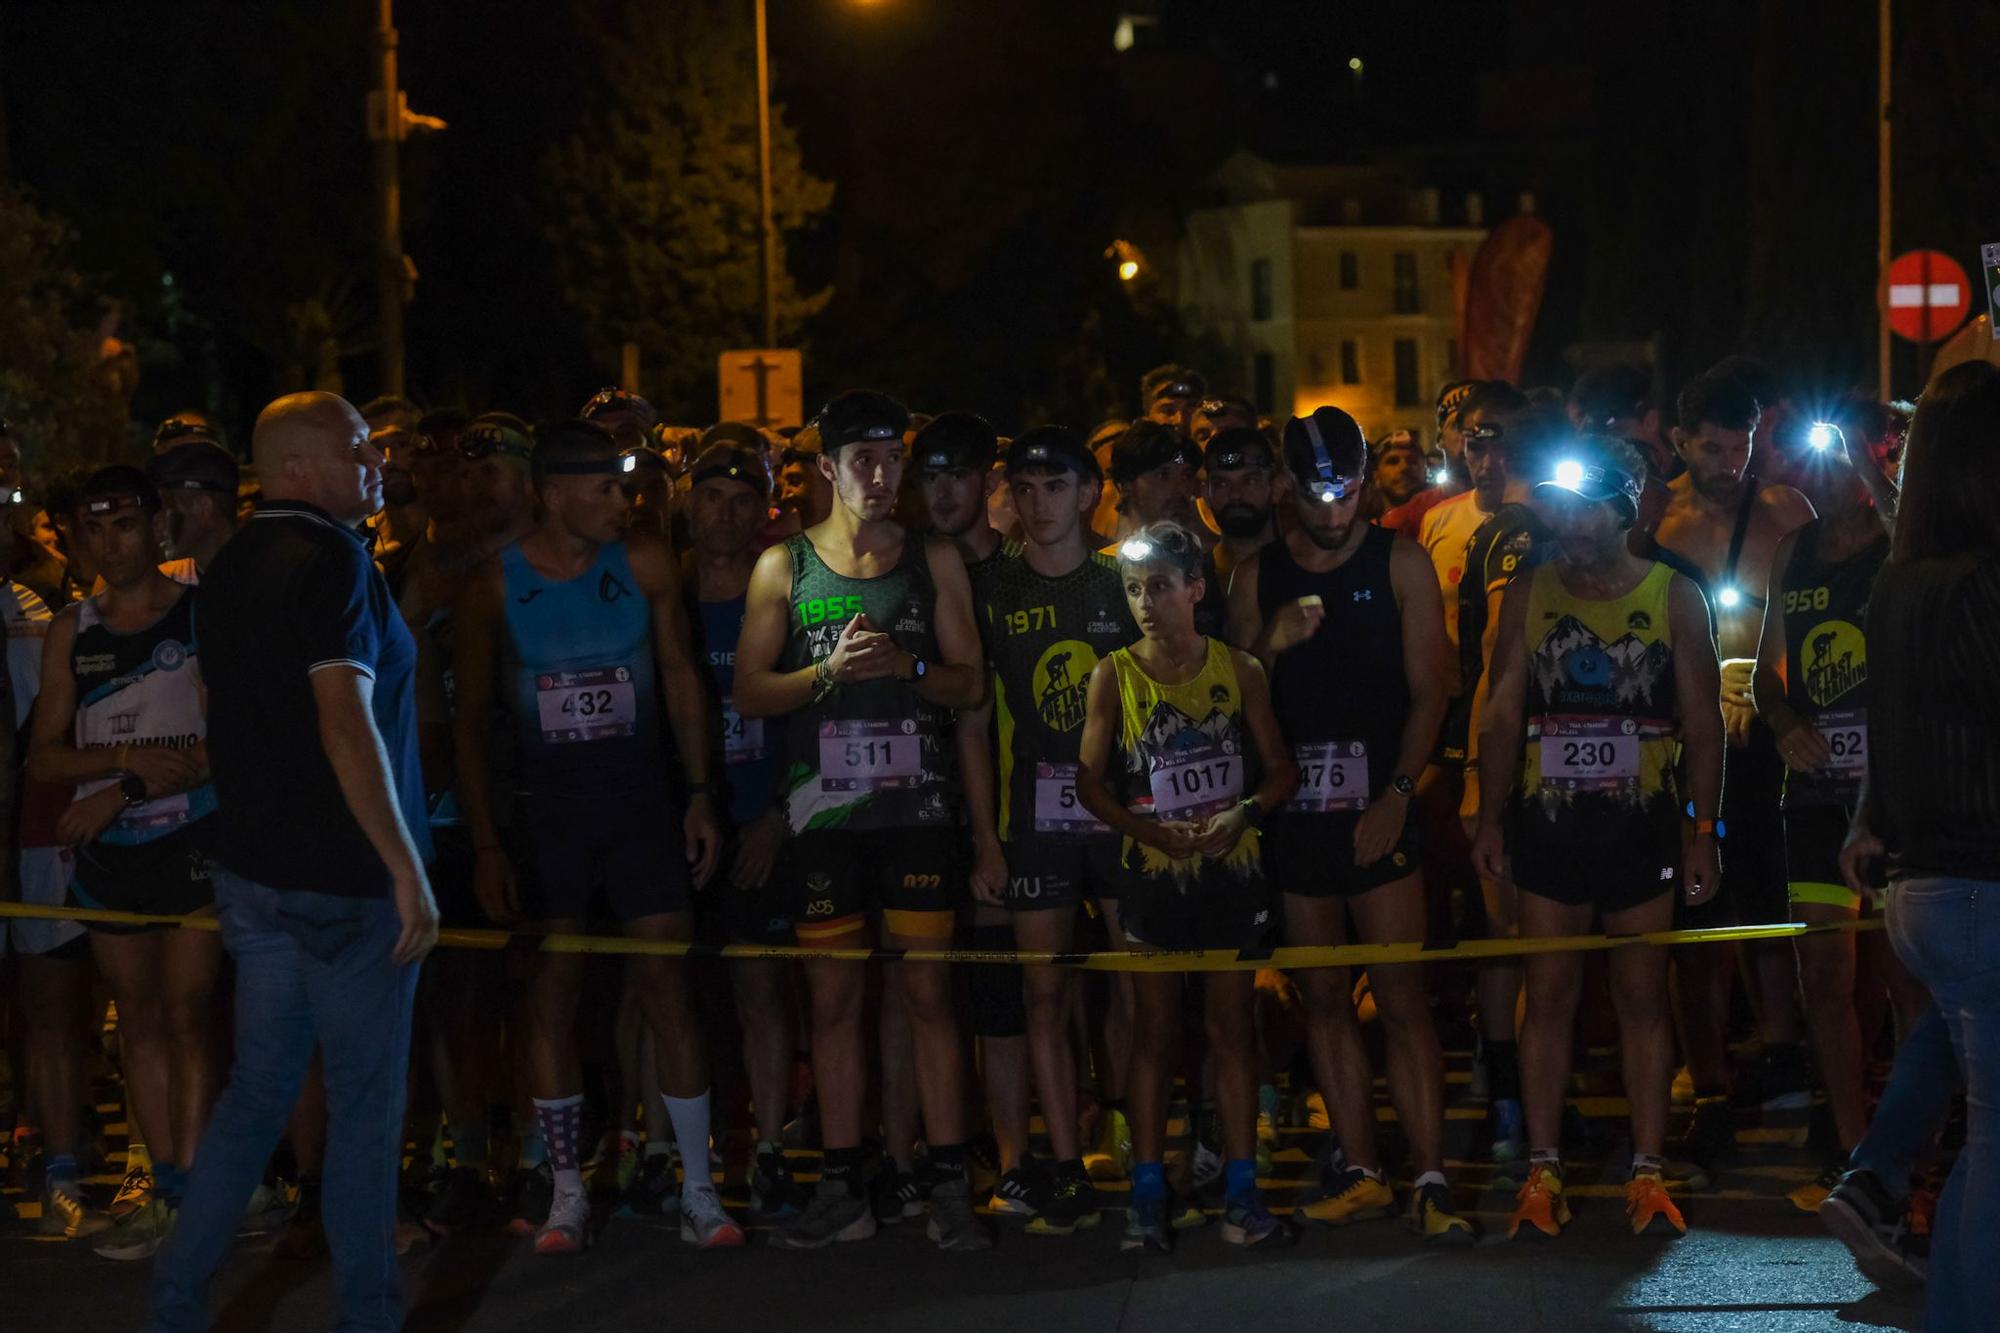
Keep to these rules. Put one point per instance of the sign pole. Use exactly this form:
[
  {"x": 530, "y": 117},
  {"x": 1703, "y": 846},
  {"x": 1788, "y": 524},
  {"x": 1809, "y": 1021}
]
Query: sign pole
[
  {"x": 768, "y": 249},
  {"x": 1882, "y": 201}
]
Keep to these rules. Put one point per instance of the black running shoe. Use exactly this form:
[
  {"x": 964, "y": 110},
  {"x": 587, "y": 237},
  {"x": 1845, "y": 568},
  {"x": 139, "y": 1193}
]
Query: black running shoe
[
  {"x": 534, "y": 1191},
  {"x": 1070, "y": 1206},
  {"x": 1021, "y": 1192},
  {"x": 894, "y": 1195},
  {"x": 654, "y": 1192},
  {"x": 1697, "y": 1157},
  {"x": 1874, "y": 1226},
  {"x": 774, "y": 1195}
]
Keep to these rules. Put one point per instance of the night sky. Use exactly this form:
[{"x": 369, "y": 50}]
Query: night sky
[{"x": 1707, "y": 169}]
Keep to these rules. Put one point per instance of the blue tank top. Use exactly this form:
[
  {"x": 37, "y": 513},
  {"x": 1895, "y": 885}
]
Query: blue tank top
[
  {"x": 747, "y": 743},
  {"x": 584, "y": 694}
]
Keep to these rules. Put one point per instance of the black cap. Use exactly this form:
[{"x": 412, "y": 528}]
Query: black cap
[
  {"x": 1052, "y": 446},
  {"x": 861, "y": 414},
  {"x": 1146, "y": 445},
  {"x": 613, "y": 400},
  {"x": 110, "y": 489},
  {"x": 1326, "y": 453},
  {"x": 739, "y": 433},
  {"x": 1599, "y": 468},
  {"x": 1239, "y": 447},
  {"x": 954, "y": 441},
  {"x": 195, "y": 465},
  {"x": 182, "y": 427},
  {"x": 731, "y": 462},
  {"x": 1171, "y": 381}
]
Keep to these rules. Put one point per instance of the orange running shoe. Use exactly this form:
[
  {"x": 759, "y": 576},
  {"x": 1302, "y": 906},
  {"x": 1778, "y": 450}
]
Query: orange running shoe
[
  {"x": 1648, "y": 1205},
  {"x": 1540, "y": 1203}
]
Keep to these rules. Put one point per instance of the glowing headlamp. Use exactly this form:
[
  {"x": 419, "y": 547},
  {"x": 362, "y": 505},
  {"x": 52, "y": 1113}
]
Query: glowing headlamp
[
  {"x": 1569, "y": 474},
  {"x": 1136, "y": 551},
  {"x": 1821, "y": 435},
  {"x": 1729, "y": 598}
]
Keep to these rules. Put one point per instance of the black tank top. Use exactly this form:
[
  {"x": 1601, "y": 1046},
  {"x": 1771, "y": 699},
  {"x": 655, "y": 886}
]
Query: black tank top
[
  {"x": 1825, "y": 607},
  {"x": 1346, "y": 684}
]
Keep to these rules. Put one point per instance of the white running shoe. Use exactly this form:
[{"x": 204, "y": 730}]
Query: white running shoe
[
  {"x": 704, "y": 1224},
  {"x": 568, "y": 1229}
]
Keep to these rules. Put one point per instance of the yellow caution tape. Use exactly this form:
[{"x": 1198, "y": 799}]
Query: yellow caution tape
[{"x": 1286, "y": 958}]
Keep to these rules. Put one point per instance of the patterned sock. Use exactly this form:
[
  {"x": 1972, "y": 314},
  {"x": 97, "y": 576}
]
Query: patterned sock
[
  {"x": 1239, "y": 1178},
  {"x": 561, "y": 1119},
  {"x": 690, "y": 1118},
  {"x": 1149, "y": 1181}
]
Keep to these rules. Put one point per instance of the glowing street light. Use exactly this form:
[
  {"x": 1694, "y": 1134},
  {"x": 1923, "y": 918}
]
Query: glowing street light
[{"x": 1128, "y": 270}]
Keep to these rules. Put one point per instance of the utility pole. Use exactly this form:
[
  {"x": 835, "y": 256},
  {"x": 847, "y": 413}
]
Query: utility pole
[
  {"x": 387, "y": 131},
  {"x": 1884, "y": 72},
  {"x": 769, "y": 242}
]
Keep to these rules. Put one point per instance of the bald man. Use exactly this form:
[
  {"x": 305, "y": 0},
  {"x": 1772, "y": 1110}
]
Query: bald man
[{"x": 320, "y": 854}]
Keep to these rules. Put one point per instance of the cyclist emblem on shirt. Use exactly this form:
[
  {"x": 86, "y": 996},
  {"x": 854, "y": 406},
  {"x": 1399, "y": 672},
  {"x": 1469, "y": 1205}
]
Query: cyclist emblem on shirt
[
  {"x": 1062, "y": 682},
  {"x": 1836, "y": 661}
]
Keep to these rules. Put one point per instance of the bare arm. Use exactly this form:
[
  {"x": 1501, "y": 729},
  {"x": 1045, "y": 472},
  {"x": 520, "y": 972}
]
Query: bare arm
[
  {"x": 1281, "y": 771},
  {"x": 960, "y": 680},
  {"x": 344, "y": 699},
  {"x": 1697, "y": 682},
  {"x": 1766, "y": 684},
  {"x": 1246, "y": 622},
  {"x": 1096, "y": 753},
  {"x": 760, "y": 689},
  {"x": 1503, "y": 721},
  {"x": 685, "y": 691},
  {"x": 477, "y": 624},
  {"x": 1426, "y": 651}
]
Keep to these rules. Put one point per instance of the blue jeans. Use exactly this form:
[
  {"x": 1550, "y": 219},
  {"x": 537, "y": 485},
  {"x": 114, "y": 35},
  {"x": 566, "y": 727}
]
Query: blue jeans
[
  {"x": 1913, "y": 1105},
  {"x": 311, "y": 969},
  {"x": 1947, "y": 932}
]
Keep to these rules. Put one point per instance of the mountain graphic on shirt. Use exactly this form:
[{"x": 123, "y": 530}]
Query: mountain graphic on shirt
[{"x": 1578, "y": 672}]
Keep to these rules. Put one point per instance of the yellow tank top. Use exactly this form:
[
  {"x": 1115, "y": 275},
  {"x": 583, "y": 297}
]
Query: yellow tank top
[
  {"x": 1187, "y": 755},
  {"x": 1601, "y": 708}
]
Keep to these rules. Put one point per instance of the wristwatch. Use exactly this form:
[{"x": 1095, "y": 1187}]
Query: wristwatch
[
  {"x": 133, "y": 789},
  {"x": 917, "y": 668},
  {"x": 1253, "y": 812},
  {"x": 1403, "y": 786}
]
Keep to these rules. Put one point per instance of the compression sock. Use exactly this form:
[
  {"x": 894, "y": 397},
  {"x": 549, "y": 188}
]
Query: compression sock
[
  {"x": 1239, "y": 1178},
  {"x": 1149, "y": 1181},
  {"x": 561, "y": 1119},
  {"x": 690, "y": 1118}
]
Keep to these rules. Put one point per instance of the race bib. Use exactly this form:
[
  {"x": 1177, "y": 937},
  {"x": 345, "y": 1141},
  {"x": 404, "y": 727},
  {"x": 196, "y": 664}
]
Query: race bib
[
  {"x": 869, "y": 754},
  {"x": 742, "y": 737},
  {"x": 1590, "y": 753},
  {"x": 593, "y": 705},
  {"x": 1333, "y": 775},
  {"x": 1056, "y": 808},
  {"x": 1197, "y": 781},
  {"x": 1846, "y": 732}
]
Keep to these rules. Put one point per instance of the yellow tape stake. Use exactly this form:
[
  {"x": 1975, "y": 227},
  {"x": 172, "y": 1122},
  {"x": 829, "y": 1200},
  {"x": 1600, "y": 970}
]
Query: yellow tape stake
[{"x": 1288, "y": 958}]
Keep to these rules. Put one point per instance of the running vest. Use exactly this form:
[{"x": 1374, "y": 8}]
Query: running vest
[
  {"x": 747, "y": 752},
  {"x": 141, "y": 689},
  {"x": 875, "y": 754},
  {"x": 1826, "y": 661},
  {"x": 584, "y": 693},
  {"x": 1342, "y": 697},
  {"x": 1601, "y": 709},
  {"x": 1044, "y": 636},
  {"x": 1187, "y": 755}
]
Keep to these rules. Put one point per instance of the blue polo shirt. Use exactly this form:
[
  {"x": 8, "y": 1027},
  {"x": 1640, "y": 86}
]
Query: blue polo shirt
[{"x": 295, "y": 592}]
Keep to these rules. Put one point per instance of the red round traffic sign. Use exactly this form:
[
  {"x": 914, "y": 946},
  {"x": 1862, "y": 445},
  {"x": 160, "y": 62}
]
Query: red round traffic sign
[{"x": 1929, "y": 295}]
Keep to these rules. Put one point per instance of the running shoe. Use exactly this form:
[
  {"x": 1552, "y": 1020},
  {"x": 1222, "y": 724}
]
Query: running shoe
[
  {"x": 532, "y": 1197},
  {"x": 1184, "y": 1212},
  {"x": 953, "y": 1224},
  {"x": 1649, "y": 1209},
  {"x": 895, "y": 1195},
  {"x": 774, "y": 1195},
  {"x": 461, "y": 1201},
  {"x": 834, "y": 1214},
  {"x": 1204, "y": 1165},
  {"x": 1432, "y": 1218},
  {"x": 63, "y": 1214},
  {"x": 1700, "y": 1154},
  {"x": 1808, "y": 1197},
  {"x": 1779, "y": 1081},
  {"x": 1146, "y": 1227},
  {"x": 704, "y": 1224},
  {"x": 133, "y": 1191},
  {"x": 1111, "y": 1157},
  {"x": 1540, "y": 1204},
  {"x": 1246, "y": 1222},
  {"x": 1353, "y": 1196},
  {"x": 567, "y": 1230},
  {"x": 267, "y": 1211},
  {"x": 1019, "y": 1192},
  {"x": 1069, "y": 1207},
  {"x": 1510, "y": 1130},
  {"x": 1873, "y": 1224},
  {"x": 654, "y": 1192},
  {"x": 140, "y": 1235}
]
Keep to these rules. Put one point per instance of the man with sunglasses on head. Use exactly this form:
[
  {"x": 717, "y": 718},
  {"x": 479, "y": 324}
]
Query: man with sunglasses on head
[
  {"x": 197, "y": 482},
  {"x": 579, "y": 633}
]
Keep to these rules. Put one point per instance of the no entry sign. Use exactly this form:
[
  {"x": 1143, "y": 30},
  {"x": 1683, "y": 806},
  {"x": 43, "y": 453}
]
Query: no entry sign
[{"x": 1929, "y": 295}]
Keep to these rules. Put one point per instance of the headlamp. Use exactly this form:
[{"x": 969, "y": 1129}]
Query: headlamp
[
  {"x": 1821, "y": 435},
  {"x": 1728, "y": 597},
  {"x": 1569, "y": 474},
  {"x": 1137, "y": 551}
]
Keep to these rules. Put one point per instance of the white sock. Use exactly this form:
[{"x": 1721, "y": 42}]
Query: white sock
[
  {"x": 690, "y": 1118},
  {"x": 1430, "y": 1178}
]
